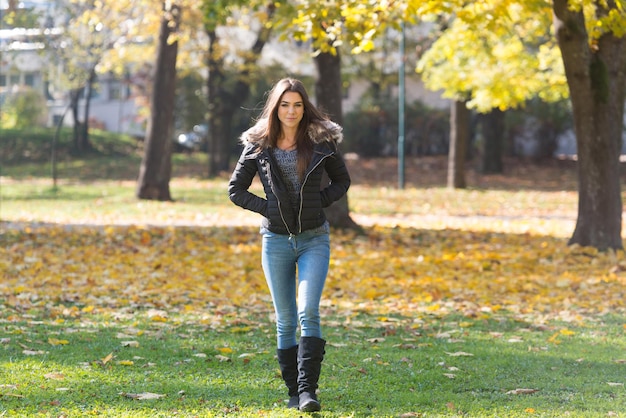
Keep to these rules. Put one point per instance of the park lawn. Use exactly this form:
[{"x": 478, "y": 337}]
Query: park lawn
[
  {"x": 101, "y": 320},
  {"x": 135, "y": 363},
  {"x": 449, "y": 303}
]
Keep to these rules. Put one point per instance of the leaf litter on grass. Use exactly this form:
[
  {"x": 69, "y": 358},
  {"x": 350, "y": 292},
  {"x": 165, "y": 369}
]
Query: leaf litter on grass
[
  {"x": 405, "y": 280},
  {"x": 404, "y": 271}
]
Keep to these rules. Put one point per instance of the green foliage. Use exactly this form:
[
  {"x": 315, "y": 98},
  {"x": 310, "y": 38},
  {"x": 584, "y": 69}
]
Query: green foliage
[{"x": 23, "y": 109}]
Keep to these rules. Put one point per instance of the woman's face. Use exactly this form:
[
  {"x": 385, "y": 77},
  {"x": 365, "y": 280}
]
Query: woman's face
[{"x": 290, "y": 109}]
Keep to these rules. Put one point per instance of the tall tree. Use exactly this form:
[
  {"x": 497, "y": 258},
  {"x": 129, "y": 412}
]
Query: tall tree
[
  {"x": 503, "y": 52},
  {"x": 593, "y": 47},
  {"x": 156, "y": 165},
  {"x": 328, "y": 95},
  {"x": 328, "y": 87},
  {"x": 94, "y": 30}
]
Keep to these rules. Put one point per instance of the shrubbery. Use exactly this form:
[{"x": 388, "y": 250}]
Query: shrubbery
[{"x": 23, "y": 109}]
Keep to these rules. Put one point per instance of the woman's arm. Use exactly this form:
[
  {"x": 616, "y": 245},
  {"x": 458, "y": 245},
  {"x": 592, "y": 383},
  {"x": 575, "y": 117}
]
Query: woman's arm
[
  {"x": 339, "y": 180},
  {"x": 240, "y": 182}
]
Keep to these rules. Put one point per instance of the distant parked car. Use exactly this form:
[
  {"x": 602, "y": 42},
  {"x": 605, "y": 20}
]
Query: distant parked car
[{"x": 194, "y": 140}]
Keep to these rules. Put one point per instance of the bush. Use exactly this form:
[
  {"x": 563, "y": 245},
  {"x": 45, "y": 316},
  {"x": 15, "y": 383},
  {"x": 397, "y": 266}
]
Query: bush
[{"x": 23, "y": 109}]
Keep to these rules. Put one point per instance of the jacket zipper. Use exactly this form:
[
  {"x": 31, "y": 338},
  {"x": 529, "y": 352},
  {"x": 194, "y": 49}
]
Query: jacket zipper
[
  {"x": 306, "y": 177},
  {"x": 280, "y": 209}
]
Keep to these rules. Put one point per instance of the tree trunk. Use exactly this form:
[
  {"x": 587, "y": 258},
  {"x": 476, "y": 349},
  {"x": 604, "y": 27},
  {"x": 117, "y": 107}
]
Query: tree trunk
[
  {"x": 74, "y": 98},
  {"x": 156, "y": 166},
  {"x": 459, "y": 132},
  {"x": 215, "y": 83},
  {"x": 328, "y": 87},
  {"x": 492, "y": 125},
  {"x": 328, "y": 95},
  {"x": 597, "y": 86},
  {"x": 224, "y": 103},
  {"x": 86, "y": 144}
]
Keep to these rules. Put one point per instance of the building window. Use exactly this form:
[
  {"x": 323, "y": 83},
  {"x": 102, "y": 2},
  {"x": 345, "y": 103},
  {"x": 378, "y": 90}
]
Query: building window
[
  {"x": 3, "y": 80},
  {"x": 14, "y": 79},
  {"x": 29, "y": 80}
]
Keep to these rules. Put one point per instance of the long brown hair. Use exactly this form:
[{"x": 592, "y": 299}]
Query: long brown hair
[{"x": 311, "y": 115}]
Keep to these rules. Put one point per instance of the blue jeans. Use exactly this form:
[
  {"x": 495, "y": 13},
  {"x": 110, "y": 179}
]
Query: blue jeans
[{"x": 307, "y": 254}]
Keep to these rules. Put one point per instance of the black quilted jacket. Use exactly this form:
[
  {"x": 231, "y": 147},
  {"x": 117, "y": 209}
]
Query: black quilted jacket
[{"x": 279, "y": 217}]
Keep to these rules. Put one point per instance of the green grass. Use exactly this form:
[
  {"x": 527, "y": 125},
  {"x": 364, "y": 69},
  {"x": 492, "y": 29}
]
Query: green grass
[{"x": 383, "y": 367}]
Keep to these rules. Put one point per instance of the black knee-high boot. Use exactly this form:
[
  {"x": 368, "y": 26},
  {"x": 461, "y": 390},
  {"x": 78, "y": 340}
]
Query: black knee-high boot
[
  {"x": 288, "y": 362},
  {"x": 310, "y": 355}
]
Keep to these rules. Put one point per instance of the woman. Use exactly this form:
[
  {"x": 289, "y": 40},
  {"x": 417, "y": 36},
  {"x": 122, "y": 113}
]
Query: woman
[{"x": 291, "y": 145}]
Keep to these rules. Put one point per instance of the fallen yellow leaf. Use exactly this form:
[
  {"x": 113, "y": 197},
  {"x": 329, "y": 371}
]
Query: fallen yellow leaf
[
  {"x": 54, "y": 341},
  {"x": 106, "y": 359}
]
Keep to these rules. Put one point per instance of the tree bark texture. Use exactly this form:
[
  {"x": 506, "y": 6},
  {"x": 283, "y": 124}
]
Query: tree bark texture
[
  {"x": 156, "y": 165},
  {"x": 596, "y": 78},
  {"x": 328, "y": 96},
  {"x": 492, "y": 125},
  {"x": 459, "y": 133},
  {"x": 328, "y": 87}
]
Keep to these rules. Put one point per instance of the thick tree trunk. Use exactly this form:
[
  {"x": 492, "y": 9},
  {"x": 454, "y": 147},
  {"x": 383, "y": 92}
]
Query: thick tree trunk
[
  {"x": 224, "y": 103},
  {"x": 328, "y": 88},
  {"x": 459, "y": 133},
  {"x": 492, "y": 125},
  {"x": 328, "y": 95},
  {"x": 156, "y": 166},
  {"x": 597, "y": 82}
]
